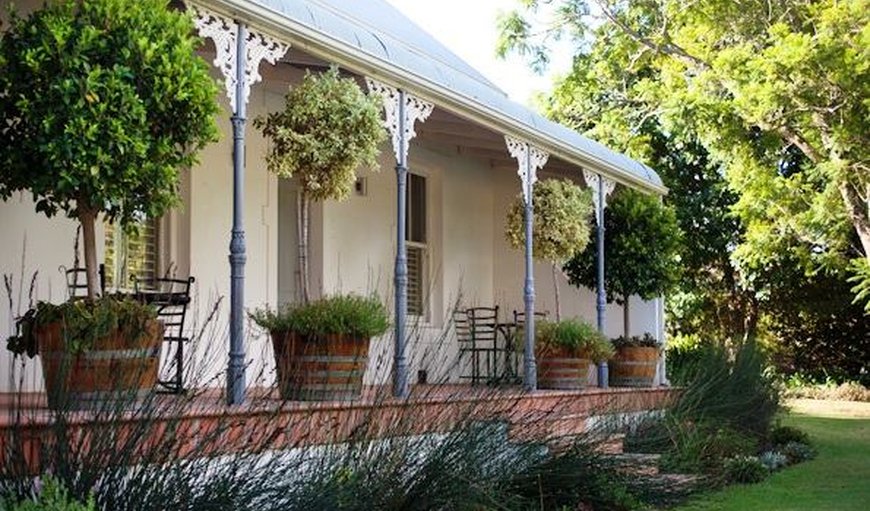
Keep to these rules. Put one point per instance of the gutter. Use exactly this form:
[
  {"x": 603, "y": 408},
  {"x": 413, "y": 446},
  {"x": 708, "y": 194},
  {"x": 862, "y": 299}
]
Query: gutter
[{"x": 322, "y": 45}]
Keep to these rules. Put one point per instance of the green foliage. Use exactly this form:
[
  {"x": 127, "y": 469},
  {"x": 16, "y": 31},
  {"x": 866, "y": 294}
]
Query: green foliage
[
  {"x": 84, "y": 322},
  {"x": 702, "y": 447},
  {"x": 328, "y": 128},
  {"x": 636, "y": 341},
  {"x": 640, "y": 249},
  {"x": 861, "y": 279},
  {"x": 351, "y": 315},
  {"x": 575, "y": 336},
  {"x": 53, "y": 496},
  {"x": 561, "y": 220},
  {"x": 797, "y": 452},
  {"x": 782, "y": 435},
  {"x": 745, "y": 470},
  {"x": 773, "y": 460},
  {"x": 101, "y": 103}
]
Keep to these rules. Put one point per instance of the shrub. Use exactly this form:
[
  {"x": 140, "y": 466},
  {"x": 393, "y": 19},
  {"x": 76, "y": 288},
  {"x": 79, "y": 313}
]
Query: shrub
[
  {"x": 846, "y": 391},
  {"x": 84, "y": 321},
  {"x": 636, "y": 341},
  {"x": 744, "y": 470},
  {"x": 53, "y": 496},
  {"x": 773, "y": 460},
  {"x": 341, "y": 314},
  {"x": 782, "y": 435},
  {"x": 574, "y": 336},
  {"x": 797, "y": 452},
  {"x": 702, "y": 447}
]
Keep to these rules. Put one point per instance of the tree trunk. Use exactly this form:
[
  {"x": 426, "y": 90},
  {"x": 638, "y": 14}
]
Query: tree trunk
[
  {"x": 626, "y": 317},
  {"x": 88, "y": 219},
  {"x": 302, "y": 234},
  {"x": 750, "y": 326},
  {"x": 556, "y": 288},
  {"x": 859, "y": 213}
]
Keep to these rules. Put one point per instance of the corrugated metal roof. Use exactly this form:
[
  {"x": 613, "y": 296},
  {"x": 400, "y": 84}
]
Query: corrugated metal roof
[{"x": 383, "y": 33}]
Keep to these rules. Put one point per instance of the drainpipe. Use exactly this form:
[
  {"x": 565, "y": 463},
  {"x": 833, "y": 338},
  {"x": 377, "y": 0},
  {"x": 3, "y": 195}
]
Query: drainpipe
[{"x": 236, "y": 366}]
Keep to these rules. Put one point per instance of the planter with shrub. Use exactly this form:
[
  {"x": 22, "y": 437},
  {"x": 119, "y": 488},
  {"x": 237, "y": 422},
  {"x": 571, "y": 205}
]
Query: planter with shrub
[
  {"x": 93, "y": 351},
  {"x": 565, "y": 350},
  {"x": 321, "y": 348},
  {"x": 634, "y": 363}
]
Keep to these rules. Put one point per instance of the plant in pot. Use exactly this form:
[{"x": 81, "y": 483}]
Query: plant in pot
[
  {"x": 565, "y": 350},
  {"x": 561, "y": 213},
  {"x": 321, "y": 347},
  {"x": 641, "y": 251},
  {"x": 634, "y": 363},
  {"x": 327, "y": 129},
  {"x": 101, "y": 103}
]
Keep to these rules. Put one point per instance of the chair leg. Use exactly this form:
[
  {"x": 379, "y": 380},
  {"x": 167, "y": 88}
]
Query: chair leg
[{"x": 179, "y": 367}]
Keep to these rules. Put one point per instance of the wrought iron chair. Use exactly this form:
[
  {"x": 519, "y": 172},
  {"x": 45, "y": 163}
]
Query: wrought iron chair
[
  {"x": 77, "y": 281},
  {"x": 477, "y": 333},
  {"x": 170, "y": 297}
]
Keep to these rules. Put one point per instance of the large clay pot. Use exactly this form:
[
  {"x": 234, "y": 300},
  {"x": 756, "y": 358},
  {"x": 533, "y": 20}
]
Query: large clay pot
[
  {"x": 115, "y": 370},
  {"x": 327, "y": 368},
  {"x": 562, "y": 370},
  {"x": 634, "y": 367}
]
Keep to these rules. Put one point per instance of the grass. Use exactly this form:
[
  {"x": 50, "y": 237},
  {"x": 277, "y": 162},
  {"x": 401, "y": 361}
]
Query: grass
[{"x": 835, "y": 480}]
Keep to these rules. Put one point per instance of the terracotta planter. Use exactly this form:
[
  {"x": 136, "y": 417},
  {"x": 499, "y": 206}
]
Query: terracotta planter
[
  {"x": 563, "y": 371},
  {"x": 634, "y": 367},
  {"x": 330, "y": 368},
  {"x": 114, "y": 370}
]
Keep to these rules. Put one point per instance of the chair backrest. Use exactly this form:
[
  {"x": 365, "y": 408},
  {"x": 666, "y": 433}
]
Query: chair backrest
[
  {"x": 170, "y": 297},
  {"x": 520, "y": 317},
  {"x": 77, "y": 281},
  {"x": 461, "y": 325},
  {"x": 483, "y": 323}
]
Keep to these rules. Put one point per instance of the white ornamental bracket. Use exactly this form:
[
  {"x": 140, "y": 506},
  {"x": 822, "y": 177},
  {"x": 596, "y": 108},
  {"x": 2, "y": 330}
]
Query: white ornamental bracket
[
  {"x": 529, "y": 159},
  {"x": 225, "y": 32},
  {"x": 593, "y": 180},
  {"x": 401, "y": 112}
]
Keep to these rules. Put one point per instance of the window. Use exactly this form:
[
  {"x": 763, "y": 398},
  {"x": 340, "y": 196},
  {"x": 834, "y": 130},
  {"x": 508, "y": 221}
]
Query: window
[
  {"x": 129, "y": 255},
  {"x": 415, "y": 235}
]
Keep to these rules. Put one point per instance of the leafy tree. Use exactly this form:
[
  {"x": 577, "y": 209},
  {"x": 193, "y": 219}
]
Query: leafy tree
[
  {"x": 774, "y": 90},
  {"x": 561, "y": 224},
  {"x": 328, "y": 128},
  {"x": 640, "y": 251},
  {"x": 101, "y": 102}
]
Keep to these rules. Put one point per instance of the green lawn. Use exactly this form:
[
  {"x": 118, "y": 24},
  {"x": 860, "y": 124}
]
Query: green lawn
[{"x": 838, "y": 479}]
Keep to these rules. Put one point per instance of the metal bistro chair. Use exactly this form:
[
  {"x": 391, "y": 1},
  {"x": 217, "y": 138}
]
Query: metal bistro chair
[
  {"x": 170, "y": 297},
  {"x": 477, "y": 332},
  {"x": 77, "y": 281}
]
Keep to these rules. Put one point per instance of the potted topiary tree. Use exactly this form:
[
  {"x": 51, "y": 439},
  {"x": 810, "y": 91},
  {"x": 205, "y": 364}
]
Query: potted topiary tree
[
  {"x": 561, "y": 224},
  {"x": 101, "y": 103},
  {"x": 565, "y": 350},
  {"x": 321, "y": 347},
  {"x": 641, "y": 251},
  {"x": 635, "y": 360},
  {"x": 328, "y": 129}
]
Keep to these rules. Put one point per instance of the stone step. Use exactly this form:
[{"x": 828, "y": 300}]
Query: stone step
[{"x": 638, "y": 463}]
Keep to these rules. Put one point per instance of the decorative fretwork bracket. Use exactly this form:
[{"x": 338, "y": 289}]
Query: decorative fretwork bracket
[
  {"x": 529, "y": 159},
  {"x": 396, "y": 103},
  {"x": 592, "y": 181},
  {"x": 258, "y": 47}
]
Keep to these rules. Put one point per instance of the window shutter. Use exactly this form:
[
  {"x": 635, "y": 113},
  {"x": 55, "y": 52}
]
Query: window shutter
[{"x": 129, "y": 255}]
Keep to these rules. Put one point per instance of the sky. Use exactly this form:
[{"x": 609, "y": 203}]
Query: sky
[{"x": 468, "y": 28}]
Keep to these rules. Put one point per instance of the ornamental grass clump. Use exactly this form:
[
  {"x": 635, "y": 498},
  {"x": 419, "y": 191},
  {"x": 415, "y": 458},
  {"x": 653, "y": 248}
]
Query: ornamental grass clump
[
  {"x": 572, "y": 337},
  {"x": 745, "y": 470}
]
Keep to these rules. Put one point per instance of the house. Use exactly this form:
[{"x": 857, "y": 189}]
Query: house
[{"x": 469, "y": 151}]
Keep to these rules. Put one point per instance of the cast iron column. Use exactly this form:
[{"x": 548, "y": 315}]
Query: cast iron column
[
  {"x": 601, "y": 299},
  {"x": 236, "y": 367},
  {"x": 400, "y": 373},
  {"x": 530, "y": 370}
]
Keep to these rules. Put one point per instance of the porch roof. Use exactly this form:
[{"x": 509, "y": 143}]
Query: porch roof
[{"x": 374, "y": 38}]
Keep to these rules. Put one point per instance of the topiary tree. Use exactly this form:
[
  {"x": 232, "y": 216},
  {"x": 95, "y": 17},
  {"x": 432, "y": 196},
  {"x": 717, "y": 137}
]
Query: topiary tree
[
  {"x": 641, "y": 251},
  {"x": 328, "y": 128},
  {"x": 101, "y": 102},
  {"x": 561, "y": 224}
]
